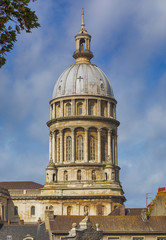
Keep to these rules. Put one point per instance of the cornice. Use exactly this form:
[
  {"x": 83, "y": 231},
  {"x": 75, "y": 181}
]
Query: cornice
[
  {"x": 75, "y": 97},
  {"x": 85, "y": 118}
]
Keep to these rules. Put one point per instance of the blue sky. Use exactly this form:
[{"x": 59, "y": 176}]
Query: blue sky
[{"x": 128, "y": 42}]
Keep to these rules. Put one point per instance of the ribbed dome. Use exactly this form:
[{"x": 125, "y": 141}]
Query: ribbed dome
[{"x": 82, "y": 79}]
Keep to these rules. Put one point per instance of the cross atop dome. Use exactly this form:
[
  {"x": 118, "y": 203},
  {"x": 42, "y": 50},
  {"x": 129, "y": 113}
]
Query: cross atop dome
[{"x": 83, "y": 53}]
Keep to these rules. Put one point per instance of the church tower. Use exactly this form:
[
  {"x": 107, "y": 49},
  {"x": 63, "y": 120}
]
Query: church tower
[{"x": 83, "y": 172}]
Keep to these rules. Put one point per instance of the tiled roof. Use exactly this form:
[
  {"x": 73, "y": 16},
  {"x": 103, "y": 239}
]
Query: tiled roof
[
  {"x": 128, "y": 211},
  {"x": 112, "y": 223},
  {"x": 20, "y": 185},
  {"x": 133, "y": 211},
  {"x": 18, "y": 232}
]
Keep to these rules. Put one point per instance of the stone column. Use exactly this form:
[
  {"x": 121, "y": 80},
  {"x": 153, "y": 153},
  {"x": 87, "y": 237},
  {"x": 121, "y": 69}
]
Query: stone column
[
  {"x": 61, "y": 146},
  {"x": 50, "y": 111},
  {"x": 109, "y": 146},
  {"x": 115, "y": 150},
  {"x": 114, "y": 111},
  {"x": 53, "y": 146},
  {"x": 50, "y": 147},
  {"x": 99, "y": 145},
  {"x": 99, "y": 107},
  {"x": 73, "y": 144},
  {"x": 61, "y": 108},
  {"x": 86, "y": 107},
  {"x": 53, "y": 112},
  {"x": 108, "y": 109},
  {"x": 86, "y": 145},
  {"x": 73, "y": 105}
]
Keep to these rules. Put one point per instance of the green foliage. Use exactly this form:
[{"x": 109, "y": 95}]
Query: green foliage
[{"x": 15, "y": 16}]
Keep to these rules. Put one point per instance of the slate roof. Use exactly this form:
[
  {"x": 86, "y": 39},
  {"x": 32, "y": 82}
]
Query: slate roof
[
  {"x": 20, "y": 185},
  {"x": 18, "y": 232},
  {"x": 122, "y": 224}
]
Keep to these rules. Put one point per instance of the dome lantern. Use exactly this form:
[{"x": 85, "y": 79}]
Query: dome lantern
[{"x": 83, "y": 53}]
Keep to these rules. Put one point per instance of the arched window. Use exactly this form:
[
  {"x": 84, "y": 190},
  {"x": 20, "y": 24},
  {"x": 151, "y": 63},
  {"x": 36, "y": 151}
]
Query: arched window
[
  {"x": 58, "y": 149},
  {"x": 112, "y": 110},
  {"x": 112, "y": 147},
  {"x": 91, "y": 109},
  {"x": 92, "y": 148},
  {"x": 65, "y": 176},
  {"x": 93, "y": 175},
  {"x": 80, "y": 148},
  {"x": 54, "y": 177},
  {"x": 103, "y": 148},
  {"x": 50, "y": 207},
  {"x": 79, "y": 175},
  {"x": 15, "y": 211},
  {"x": 106, "y": 176},
  {"x": 79, "y": 109},
  {"x": 68, "y": 109},
  {"x": 57, "y": 110},
  {"x": 47, "y": 177},
  {"x": 69, "y": 210},
  {"x": 68, "y": 148},
  {"x": 113, "y": 175},
  {"x": 103, "y": 108},
  {"x": 32, "y": 210},
  {"x": 3, "y": 211},
  {"x": 100, "y": 210},
  {"x": 82, "y": 45}
]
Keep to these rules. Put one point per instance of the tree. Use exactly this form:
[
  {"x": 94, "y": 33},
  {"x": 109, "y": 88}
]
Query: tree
[{"x": 15, "y": 16}]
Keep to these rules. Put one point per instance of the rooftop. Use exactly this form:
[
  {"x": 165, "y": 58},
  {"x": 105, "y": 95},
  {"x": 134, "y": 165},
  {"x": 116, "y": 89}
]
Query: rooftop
[
  {"x": 112, "y": 223},
  {"x": 20, "y": 185}
]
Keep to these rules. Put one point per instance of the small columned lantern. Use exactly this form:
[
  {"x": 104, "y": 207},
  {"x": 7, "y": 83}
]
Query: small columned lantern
[{"x": 83, "y": 44}]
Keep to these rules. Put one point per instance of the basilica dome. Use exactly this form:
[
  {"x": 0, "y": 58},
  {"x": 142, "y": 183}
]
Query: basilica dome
[{"x": 82, "y": 79}]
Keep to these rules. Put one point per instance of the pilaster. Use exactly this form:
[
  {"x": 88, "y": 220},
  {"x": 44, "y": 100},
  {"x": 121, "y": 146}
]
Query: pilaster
[
  {"x": 86, "y": 145},
  {"x": 50, "y": 147},
  {"x": 99, "y": 145},
  {"x": 109, "y": 146},
  {"x": 73, "y": 144},
  {"x": 61, "y": 146},
  {"x": 53, "y": 146},
  {"x": 73, "y": 105},
  {"x": 99, "y": 107},
  {"x": 108, "y": 109},
  {"x": 115, "y": 150},
  {"x": 61, "y": 108}
]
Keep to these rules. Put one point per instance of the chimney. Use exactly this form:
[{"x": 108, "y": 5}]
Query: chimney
[
  {"x": 122, "y": 210},
  {"x": 161, "y": 189}
]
